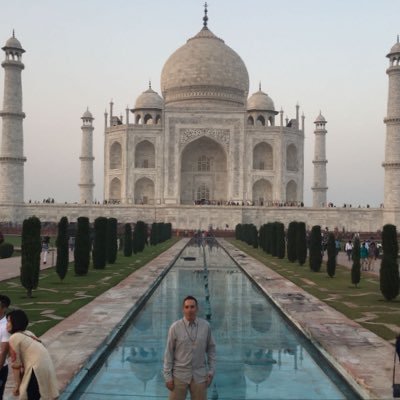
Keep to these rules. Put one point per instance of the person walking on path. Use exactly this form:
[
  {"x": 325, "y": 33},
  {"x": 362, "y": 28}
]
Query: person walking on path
[
  {"x": 33, "y": 370},
  {"x": 4, "y": 337},
  {"x": 364, "y": 257},
  {"x": 189, "y": 342},
  {"x": 45, "y": 248},
  {"x": 349, "y": 249},
  {"x": 371, "y": 256}
]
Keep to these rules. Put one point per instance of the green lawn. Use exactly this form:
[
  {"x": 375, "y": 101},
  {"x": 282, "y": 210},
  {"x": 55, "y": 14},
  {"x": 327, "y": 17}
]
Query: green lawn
[
  {"x": 54, "y": 299},
  {"x": 364, "y": 304}
]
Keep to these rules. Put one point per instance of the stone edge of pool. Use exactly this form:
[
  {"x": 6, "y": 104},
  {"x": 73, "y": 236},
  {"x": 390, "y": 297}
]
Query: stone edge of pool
[{"x": 363, "y": 358}]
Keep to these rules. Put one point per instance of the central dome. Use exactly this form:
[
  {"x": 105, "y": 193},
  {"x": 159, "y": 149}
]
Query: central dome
[{"x": 205, "y": 70}]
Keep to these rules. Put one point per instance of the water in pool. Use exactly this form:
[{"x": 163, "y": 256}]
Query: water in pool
[{"x": 259, "y": 355}]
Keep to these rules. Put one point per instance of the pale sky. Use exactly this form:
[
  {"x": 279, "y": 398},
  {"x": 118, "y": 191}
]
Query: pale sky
[{"x": 327, "y": 55}]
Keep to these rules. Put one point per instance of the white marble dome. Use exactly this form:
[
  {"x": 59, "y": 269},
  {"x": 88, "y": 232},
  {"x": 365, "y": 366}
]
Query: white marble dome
[
  {"x": 87, "y": 115},
  {"x": 395, "y": 48},
  {"x": 13, "y": 43},
  {"x": 149, "y": 100},
  {"x": 205, "y": 69},
  {"x": 260, "y": 101}
]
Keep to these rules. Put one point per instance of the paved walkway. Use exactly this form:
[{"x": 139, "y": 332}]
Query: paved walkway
[
  {"x": 341, "y": 259},
  {"x": 10, "y": 267}
]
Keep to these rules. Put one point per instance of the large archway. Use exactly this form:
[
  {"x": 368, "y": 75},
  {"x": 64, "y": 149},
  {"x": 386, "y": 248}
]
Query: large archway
[
  {"x": 291, "y": 191},
  {"x": 262, "y": 192},
  {"x": 263, "y": 156},
  {"x": 145, "y": 155},
  {"x": 203, "y": 172},
  {"x": 144, "y": 191}
]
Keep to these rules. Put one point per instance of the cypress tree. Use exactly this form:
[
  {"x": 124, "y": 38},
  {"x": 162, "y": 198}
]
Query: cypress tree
[
  {"x": 315, "y": 248},
  {"x": 112, "y": 244},
  {"x": 254, "y": 236},
  {"x": 268, "y": 235},
  {"x": 30, "y": 254},
  {"x": 128, "y": 240},
  {"x": 139, "y": 236},
  {"x": 273, "y": 239},
  {"x": 291, "y": 241},
  {"x": 301, "y": 242},
  {"x": 169, "y": 230},
  {"x": 356, "y": 267},
  {"x": 237, "y": 232},
  {"x": 261, "y": 237},
  {"x": 153, "y": 234},
  {"x": 82, "y": 247},
  {"x": 280, "y": 240},
  {"x": 331, "y": 248},
  {"x": 389, "y": 272},
  {"x": 62, "y": 248},
  {"x": 99, "y": 253}
]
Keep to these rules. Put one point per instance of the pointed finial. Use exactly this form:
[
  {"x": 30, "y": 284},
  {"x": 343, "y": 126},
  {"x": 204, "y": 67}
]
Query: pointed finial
[
  {"x": 259, "y": 86},
  {"x": 87, "y": 108},
  {"x": 397, "y": 38},
  {"x": 14, "y": 35},
  {"x": 205, "y": 18},
  {"x": 149, "y": 83}
]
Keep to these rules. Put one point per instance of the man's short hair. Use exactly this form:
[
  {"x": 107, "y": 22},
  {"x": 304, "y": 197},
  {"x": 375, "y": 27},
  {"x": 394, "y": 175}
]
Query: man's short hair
[
  {"x": 189, "y": 298},
  {"x": 4, "y": 301}
]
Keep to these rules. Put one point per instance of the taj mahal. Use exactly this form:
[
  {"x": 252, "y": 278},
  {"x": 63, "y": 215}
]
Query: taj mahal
[{"x": 205, "y": 152}]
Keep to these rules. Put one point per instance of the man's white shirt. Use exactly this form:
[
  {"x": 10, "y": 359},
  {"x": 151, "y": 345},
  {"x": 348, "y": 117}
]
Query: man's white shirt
[{"x": 4, "y": 335}]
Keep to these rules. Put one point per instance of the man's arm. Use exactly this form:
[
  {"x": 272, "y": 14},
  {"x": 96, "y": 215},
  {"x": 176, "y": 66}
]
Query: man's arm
[
  {"x": 169, "y": 355},
  {"x": 211, "y": 353},
  {"x": 3, "y": 353}
]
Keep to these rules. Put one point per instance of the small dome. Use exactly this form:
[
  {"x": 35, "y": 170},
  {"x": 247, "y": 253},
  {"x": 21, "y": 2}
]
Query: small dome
[
  {"x": 320, "y": 118},
  {"x": 395, "y": 48},
  {"x": 87, "y": 114},
  {"x": 260, "y": 101},
  {"x": 150, "y": 100},
  {"x": 13, "y": 43}
]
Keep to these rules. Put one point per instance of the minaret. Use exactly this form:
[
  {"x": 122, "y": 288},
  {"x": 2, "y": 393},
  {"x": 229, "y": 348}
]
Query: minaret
[
  {"x": 320, "y": 184},
  {"x": 392, "y": 121},
  {"x": 86, "y": 184},
  {"x": 12, "y": 142}
]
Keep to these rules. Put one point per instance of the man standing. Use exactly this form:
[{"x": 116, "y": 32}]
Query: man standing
[
  {"x": 189, "y": 341},
  {"x": 4, "y": 336}
]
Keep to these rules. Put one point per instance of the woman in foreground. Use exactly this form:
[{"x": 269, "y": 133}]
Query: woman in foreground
[{"x": 33, "y": 370}]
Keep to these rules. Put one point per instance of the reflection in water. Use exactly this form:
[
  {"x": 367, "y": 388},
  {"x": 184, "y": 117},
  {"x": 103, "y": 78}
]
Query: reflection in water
[{"x": 256, "y": 349}]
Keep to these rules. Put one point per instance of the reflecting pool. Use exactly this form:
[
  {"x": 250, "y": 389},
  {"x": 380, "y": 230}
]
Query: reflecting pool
[{"x": 259, "y": 355}]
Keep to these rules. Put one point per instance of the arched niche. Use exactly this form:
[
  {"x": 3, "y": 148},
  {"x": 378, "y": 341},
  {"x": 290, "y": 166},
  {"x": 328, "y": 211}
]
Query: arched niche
[
  {"x": 115, "y": 156},
  {"x": 115, "y": 189},
  {"x": 291, "y": 158},
  {"x": 263, "y": 156},
  {"x": 144, "y": 191},
  {"x": 145, "y": 155},
  {"x": 291, "y": 191},
  {"x": 262, "y": 192}
]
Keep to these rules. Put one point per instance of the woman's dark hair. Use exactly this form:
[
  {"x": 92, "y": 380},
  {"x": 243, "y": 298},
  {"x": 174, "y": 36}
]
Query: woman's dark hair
[{"x": 19, "y": 320}]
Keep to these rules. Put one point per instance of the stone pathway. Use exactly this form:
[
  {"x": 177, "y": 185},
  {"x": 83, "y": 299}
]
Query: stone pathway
[{"x": 9, "y": 267}]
